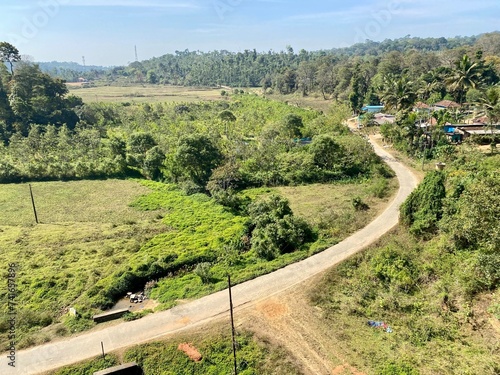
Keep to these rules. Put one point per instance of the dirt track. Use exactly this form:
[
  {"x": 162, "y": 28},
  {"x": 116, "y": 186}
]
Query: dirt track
[{"x": 257, "y": 301}]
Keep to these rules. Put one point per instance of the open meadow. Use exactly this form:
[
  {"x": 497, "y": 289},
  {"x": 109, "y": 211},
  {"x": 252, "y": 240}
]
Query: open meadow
[
  {"x": 94, "y": 236},
  {"x": 138, "y": 93}
]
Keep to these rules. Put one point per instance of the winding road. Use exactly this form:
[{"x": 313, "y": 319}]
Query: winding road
[{"x": 60, "y": 353}]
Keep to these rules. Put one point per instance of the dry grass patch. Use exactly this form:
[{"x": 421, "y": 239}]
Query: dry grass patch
[{"x": 145, "y": 94}]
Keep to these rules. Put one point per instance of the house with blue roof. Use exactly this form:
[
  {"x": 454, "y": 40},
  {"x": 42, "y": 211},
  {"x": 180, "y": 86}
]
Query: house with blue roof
[{"x": 373, "y": 108}]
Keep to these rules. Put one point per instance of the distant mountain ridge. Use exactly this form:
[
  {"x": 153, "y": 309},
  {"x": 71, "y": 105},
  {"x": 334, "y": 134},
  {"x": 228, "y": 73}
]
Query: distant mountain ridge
[{"x": 50, "y": 66}]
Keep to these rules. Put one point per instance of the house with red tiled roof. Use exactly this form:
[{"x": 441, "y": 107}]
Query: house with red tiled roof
[
  {"x": 421, "y": 105},
  {"x": 445, "y": 104}
]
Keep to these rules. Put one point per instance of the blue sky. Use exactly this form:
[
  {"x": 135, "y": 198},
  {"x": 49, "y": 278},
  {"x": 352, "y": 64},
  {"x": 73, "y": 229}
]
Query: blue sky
[{"x": 106, "y": 31}]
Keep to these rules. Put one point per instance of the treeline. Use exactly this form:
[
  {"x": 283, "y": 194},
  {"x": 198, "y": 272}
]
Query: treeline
[
  {"x": 71, "y": 71},
  {"x": 333, "y": 73},
  {"x": 28, "y": 96},
  {"x": 327, "y": 71}
]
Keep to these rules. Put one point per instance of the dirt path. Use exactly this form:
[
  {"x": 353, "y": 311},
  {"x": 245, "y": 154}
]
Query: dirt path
[
  {"x": 261, "y": 293},
  {"x": 289, "y": 321}
]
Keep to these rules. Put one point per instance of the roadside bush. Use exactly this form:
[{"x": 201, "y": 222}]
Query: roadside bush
[
  {"x": 394, "y": 267},
  {"x": 380, "y": 188},
  {"x": 423, "y": 209}
]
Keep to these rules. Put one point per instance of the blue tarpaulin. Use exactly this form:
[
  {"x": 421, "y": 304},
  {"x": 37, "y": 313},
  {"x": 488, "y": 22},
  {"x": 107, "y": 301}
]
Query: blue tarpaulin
[{"x": 381, "y": 325}]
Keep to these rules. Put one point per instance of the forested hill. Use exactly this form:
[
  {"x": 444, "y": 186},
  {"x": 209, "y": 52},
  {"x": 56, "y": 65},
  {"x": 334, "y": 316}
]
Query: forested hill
[
  {"x": 286, "y": 71},
  {"x": 71, "y": 71}
]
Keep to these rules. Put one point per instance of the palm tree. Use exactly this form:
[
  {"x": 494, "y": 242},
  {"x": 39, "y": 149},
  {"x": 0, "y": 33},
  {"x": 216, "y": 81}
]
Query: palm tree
[
  {"x": 491, "y": 105},
  {"x": 426, "y": 89},
  {"x": 465, "y": 75},
  {"x": 397, "y": 92}
]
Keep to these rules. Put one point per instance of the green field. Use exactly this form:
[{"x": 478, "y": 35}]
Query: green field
[
  {"x": 93, "y": 235},
  {"x": 144, "y": 93},
  {"x": 254, "y": 356}
]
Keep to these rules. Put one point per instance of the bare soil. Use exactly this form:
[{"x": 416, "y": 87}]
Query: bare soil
[{"x": 289, "y": 321}]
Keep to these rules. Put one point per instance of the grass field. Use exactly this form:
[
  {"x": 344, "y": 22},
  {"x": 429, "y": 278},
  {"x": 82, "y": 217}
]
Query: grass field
[
  {"x": 92, "y": 234},
  {"x": 148, "y": 93},
  {"x": 144, "y": 93},
  {"x": 86, "y": 229}
]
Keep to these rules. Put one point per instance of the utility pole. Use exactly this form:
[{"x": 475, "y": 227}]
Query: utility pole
[
  {"x": 33, "y": 203},
  {"x": 136, "y": 56},
  {"x": 83, "y": 61},
  {"x": 233, "y": 332}
]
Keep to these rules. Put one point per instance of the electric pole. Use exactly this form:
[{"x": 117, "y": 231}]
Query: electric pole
[{"x": 233, "y": 332}]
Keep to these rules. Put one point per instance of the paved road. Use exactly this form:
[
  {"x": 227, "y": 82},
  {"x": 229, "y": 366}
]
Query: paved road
[{"x": 71, "y": 350}]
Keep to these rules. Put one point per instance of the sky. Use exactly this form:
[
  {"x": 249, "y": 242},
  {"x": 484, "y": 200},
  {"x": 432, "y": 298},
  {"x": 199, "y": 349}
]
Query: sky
[{"x": 106, "y": 32}]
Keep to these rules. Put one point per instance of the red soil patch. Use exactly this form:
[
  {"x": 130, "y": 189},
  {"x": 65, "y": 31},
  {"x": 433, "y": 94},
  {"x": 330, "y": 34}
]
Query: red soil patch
[
  {"x": 272, "y": 309},
  {"x": 190, "y": 351}
]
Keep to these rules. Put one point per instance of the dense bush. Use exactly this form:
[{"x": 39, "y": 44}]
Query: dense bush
[
  {"x": 422, "y": 210},
  {"x": 276, "y": 231}
]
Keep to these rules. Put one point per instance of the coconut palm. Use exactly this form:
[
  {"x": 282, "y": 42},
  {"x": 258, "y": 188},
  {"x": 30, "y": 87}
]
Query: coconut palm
[
  {"x": 397, "y": 92},
  {"x": 466, "y": 74}
]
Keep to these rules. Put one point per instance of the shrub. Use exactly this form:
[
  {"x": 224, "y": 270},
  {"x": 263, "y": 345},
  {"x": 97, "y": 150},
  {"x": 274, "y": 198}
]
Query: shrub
[
  {"x": 397, "y": 368},
  {"x": 203, "y": 271},
  {"x": 359, "y": 205},
  {"x": 380, "y": 188},
  {"x": 276, "y": 230},
  {"x": 423, "y": 209}
]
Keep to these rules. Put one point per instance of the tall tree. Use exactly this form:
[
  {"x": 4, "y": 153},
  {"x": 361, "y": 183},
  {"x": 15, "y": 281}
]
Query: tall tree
[
  {"x": 35, "y": 97},
  {"x": 397, "y": 92},
  {"x": 196, "y": 157},
  {"x": 466, "y": 74},
  {"x": 9, "y": 54},
  {"x": 491, "y": 104}
]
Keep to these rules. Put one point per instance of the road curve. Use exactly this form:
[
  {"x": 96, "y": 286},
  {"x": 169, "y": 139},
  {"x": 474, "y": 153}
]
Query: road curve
[{"x": 61, "y": 353}]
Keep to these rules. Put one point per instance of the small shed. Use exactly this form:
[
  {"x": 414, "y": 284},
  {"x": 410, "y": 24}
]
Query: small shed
[
  {"x": 131, "y": 368},
  {"x": 110, "y": 315}
]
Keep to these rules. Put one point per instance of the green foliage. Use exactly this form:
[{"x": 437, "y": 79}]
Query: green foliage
[
  {"x": 276, "y": 230},
  {"x": 435, "y": 294},
  {"x": 393, "y": 267},
  {"x": 36, "y": 98},
  {"x": 293, "y": 125},
  {"x": 397, "y": 368},
  {"x": 78, "y": 323},
  {"x": 153, "y": 163},
  {"x": 473, "y": 219},
  {"x": 9, "y": 54},
  {"x": 326, "y": 153},
  {"x": 58, "y": 153},
  {"x": 196, "y": 157},
  {"x": 423, "y": 209}
]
